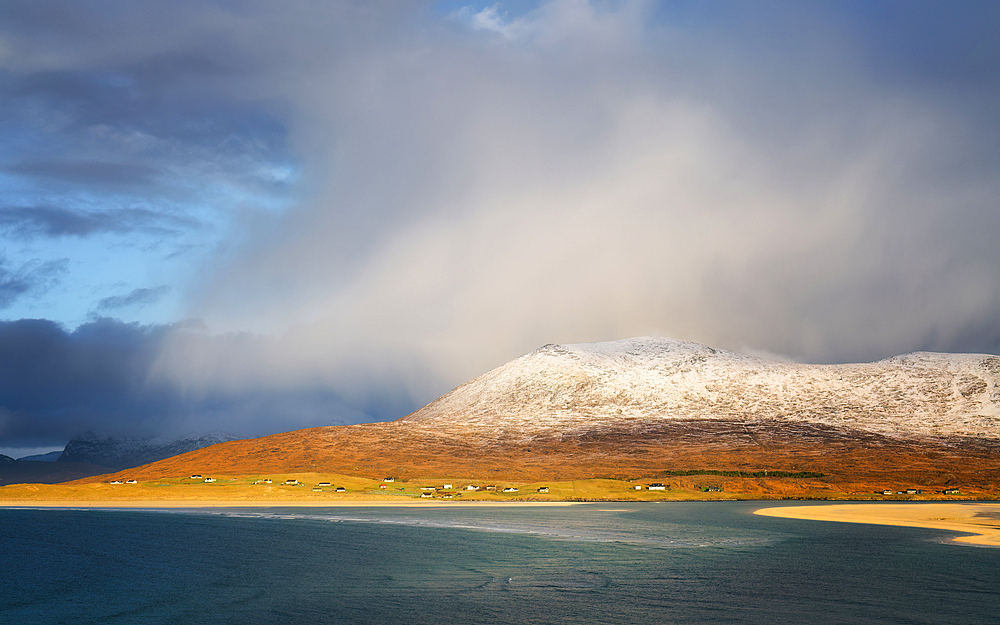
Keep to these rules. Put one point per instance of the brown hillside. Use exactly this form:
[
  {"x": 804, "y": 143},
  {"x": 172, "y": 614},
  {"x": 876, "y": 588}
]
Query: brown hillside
[{"x": 853, "y": 462}]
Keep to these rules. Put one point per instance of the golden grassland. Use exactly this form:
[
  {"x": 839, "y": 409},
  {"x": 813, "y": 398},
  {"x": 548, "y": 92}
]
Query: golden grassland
[
  {"x": 250, "y": 490},
  {"x": 982, "y": 520}
]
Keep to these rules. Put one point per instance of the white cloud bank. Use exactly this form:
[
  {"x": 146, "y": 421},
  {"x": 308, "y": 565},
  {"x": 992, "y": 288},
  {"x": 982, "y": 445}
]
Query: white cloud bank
[{"x": 594, "y": 173}]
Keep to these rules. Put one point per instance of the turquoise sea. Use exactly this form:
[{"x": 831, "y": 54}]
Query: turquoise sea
[{"x": 591, "y": 563}]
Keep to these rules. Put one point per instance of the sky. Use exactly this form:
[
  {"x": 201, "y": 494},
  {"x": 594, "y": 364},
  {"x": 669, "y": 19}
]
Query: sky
[{"x": 254, "y": 217}]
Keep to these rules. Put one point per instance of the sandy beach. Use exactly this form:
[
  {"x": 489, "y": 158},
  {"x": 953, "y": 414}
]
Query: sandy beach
[{"x": 982, "y": 520}]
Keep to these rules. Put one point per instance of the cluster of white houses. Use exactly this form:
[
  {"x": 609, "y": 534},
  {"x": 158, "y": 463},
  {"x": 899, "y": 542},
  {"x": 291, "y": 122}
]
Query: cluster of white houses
[{"x": 918, "y": 491}]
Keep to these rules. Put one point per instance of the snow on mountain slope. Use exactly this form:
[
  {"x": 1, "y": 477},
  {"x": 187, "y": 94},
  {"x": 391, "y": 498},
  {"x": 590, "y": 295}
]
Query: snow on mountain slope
[{"x": 633, "y": 382}]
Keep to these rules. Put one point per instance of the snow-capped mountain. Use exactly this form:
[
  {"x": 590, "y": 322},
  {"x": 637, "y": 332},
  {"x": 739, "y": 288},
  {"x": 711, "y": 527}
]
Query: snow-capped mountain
[{"x": 643, "y": 381}]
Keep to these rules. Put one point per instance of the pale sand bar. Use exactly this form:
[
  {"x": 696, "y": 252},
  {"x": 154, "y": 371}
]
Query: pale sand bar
[{"x": 980, "y": 519}]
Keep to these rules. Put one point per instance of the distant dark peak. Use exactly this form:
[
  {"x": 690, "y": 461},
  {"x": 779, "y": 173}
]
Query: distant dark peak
[
  {"x": 118, "y": 453},
  {"x": 6, "y": 460},
  {"x": 51, "y": 456}
]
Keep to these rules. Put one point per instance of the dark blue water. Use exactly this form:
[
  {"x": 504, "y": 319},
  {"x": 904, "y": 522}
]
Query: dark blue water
[{"x": 594, "y": 563}]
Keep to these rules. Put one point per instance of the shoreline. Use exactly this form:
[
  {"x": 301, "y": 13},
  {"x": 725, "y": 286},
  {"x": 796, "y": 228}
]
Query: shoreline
[
  {"x": 979, "y": 521},
  {"x": 161, "y": 504},
  {"x": 982, "y": 520}
]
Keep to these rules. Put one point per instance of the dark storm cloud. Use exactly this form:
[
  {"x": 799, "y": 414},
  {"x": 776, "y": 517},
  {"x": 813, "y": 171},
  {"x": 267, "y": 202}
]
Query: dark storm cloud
[
  {"x": 31, "y": 278},
  {"x": 138, "y": 297},
  {"x": 100, "y": 377},
  {"x": 52, "y": 221}
]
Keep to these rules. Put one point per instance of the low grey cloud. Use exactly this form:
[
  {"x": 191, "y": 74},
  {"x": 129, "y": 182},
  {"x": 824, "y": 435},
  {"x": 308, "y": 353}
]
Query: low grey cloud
[
  {"x": 583, "y": 172},
  {"x": 136, "y": 297},
  {"x": 29, "y": 279}
]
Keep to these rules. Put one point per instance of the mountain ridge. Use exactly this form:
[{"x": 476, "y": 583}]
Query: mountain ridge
[{"x": 638, "y": 381}]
